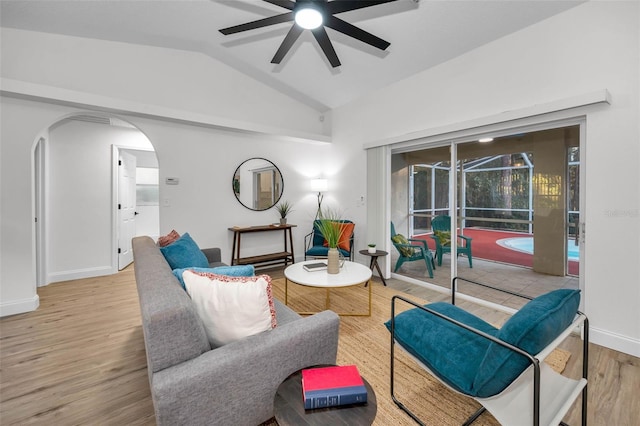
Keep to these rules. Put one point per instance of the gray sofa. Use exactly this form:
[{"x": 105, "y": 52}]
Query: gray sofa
[{"x": 193, "y": 383}]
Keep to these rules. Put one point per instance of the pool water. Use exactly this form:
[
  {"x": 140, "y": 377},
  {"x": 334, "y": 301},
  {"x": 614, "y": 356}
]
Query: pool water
[{"x": 525, "y": 245}]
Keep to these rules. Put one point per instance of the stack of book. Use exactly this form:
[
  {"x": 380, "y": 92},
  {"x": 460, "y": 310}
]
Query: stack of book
[{"x": 332, "y": 386}]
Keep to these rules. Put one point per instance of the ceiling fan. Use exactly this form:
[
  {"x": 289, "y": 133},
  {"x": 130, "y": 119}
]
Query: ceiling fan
[{"x": 314, "y": 15}]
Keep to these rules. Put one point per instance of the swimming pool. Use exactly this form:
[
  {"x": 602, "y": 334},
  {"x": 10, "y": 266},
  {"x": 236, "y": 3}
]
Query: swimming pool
[{"x": 525, "y": 245}]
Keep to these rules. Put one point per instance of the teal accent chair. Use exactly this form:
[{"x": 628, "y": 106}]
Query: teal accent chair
[
  {"x": 411, "y": 249},
  {"x": 501, "y": 368},
  {"x": 441, "y": 226},
  {"x": 314, "y": 244}
]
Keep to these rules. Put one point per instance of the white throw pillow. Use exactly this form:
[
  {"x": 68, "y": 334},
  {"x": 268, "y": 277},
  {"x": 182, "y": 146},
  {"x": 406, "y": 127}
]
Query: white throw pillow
[{"x": 231, "y": 307}]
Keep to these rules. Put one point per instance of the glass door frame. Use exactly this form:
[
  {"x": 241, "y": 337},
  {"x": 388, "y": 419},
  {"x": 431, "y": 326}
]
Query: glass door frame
[{"x": 455, "y": 138}]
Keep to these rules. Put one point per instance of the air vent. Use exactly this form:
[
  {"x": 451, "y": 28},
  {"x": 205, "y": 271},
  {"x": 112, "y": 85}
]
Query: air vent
[
  {"x": 116, "y": 122},
  {"x": 92, "y": 119}
]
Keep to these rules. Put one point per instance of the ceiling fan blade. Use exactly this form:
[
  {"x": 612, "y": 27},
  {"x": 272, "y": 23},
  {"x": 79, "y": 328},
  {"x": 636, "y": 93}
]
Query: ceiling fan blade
[
  {"x": 278, "y": 19},
  {"x": 340, "y": 6},
  {"x": 287, "y": 4},
  {"x": 288, "y": 41},
  {"x": 323, "y": 39},
  {"x": 355, "y": 32}
]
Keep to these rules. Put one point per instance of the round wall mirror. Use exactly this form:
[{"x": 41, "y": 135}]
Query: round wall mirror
[{"x": 257, "y": 184}]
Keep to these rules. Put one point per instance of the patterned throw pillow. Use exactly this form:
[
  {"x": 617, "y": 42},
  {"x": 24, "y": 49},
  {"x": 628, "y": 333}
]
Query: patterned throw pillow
[
  {"x": 232, "y": 271},
  {"x": 444, "y": 237},
  {"x": 231, "y": 308},
  {"x": 165, "y": 240},
  {"x": 405, "y": 251},
  {"x": 184, "y": 253}
]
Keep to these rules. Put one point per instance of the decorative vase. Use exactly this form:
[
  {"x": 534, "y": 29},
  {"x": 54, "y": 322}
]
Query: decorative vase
[
  {"x": 372, "y": 250},
  {"x": 283, "y": 221},
  {"x": 333, "y": 261}
]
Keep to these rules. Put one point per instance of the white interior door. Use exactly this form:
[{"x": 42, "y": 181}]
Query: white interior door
[{"x": 126, "y": 207}]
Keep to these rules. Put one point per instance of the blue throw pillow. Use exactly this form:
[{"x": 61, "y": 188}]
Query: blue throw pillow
[
  {"x": 232, "y": 271},
  {"x": 184, "y": 253},
  {"x": 531, "y": 329}
]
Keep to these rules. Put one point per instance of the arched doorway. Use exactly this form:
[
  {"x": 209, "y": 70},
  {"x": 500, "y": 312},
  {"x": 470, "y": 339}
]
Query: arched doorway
[{"x": 76, "y": 194}]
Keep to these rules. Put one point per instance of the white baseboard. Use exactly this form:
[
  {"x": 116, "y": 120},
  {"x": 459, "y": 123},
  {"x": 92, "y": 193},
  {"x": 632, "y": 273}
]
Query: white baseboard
[
  {"x": 77, "y": 274},
  {"x": 615, "y": 341},
  {"x": 20, "y": 306}
]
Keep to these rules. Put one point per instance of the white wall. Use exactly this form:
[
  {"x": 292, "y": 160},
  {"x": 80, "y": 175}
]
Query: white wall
[
  {"x": 590, "y": 47},
  {"x": 204, "y": 204},
  {"x": 21, "y": 125},
  {"x": 175, "y": 79}
]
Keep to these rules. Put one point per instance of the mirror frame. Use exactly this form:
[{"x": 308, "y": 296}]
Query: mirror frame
[{"x": 235, "y": 184}]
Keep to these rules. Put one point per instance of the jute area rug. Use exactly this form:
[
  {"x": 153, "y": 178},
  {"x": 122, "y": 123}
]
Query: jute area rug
[{"x": 365, "y": 342}]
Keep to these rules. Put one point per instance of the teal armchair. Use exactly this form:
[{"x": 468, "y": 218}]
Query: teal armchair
[
  {"x": 441, "y": 226},
  {"x": 412, "y": 249},
  {"x": 314, "y": 242}
]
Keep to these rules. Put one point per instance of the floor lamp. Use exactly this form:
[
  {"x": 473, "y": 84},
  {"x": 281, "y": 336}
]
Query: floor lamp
[{"x": 319, "y": 185}]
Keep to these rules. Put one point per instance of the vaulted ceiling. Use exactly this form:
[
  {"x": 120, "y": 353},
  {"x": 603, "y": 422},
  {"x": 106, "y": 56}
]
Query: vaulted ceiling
[{"x": 422, "y": 34}]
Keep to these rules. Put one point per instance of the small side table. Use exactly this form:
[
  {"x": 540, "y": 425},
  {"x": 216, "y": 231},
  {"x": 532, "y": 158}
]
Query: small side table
[
  {"x": 289, "y": 409},
  {"x": 374, "y": 262}
]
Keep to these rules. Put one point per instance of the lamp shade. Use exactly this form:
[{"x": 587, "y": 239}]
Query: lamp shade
[{"x": 318, "y": 185}]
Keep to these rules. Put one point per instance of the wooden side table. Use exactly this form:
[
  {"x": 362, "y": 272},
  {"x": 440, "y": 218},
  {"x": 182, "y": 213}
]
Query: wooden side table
[
  {"x": 285, "y": 256},
  {"x": 374, "y": 262},
  {"x": 289, "y": 407}
]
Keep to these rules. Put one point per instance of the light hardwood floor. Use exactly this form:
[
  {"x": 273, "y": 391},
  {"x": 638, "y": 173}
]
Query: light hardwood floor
[{"x": 80, "y": 359}]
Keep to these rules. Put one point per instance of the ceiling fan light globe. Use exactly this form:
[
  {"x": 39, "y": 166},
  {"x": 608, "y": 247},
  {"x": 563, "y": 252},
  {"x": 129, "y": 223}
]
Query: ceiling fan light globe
[{"x": 308, "y": 18}]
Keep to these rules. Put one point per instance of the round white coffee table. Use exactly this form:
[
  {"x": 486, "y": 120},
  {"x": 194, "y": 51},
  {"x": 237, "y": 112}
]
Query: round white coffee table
[{"x": 350, "y": 274}]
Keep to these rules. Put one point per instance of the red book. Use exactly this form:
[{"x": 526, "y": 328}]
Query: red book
[{"x": 332, "y": 386}]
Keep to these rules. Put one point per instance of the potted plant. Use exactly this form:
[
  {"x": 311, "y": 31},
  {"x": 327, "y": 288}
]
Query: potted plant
[
  {"x": 372, "y": 248},
  {"x": 284, "y": 208},
  {"x": 330, "y": 227}
]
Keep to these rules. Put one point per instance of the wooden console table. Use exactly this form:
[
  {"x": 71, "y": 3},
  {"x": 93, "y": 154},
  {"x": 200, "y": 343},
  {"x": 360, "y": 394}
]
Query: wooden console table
[{"x": 285, "y": 256}]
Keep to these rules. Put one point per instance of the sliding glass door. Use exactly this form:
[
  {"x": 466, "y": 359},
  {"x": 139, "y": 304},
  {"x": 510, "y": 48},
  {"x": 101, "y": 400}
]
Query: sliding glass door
[{"x": 515, "y": 202}]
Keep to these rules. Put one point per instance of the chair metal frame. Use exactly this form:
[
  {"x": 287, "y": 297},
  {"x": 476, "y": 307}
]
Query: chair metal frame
[{"x": 581, "y": 387}]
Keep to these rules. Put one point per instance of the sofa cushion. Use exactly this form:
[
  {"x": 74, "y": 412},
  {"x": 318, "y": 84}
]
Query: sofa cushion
[
  {"x": 165, "y": 240},
  {"x": 232, "y": 271},
  {"x": 531, "y": 329},
  {"x": 184, "y": 253},
  {"x": 231, "y": 307},
  {"x": 450, "y": 352},
  {"x": 166, "y": 310}
]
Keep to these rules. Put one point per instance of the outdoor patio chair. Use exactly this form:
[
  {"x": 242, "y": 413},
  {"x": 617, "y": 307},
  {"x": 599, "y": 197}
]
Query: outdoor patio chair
[
  {"x": 503, "y": 368},
  {"x": 411, "y": 249},
  {"x": 441, "y": 226},
  {"x": 314, "y": 242}
]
